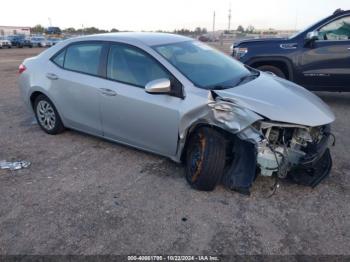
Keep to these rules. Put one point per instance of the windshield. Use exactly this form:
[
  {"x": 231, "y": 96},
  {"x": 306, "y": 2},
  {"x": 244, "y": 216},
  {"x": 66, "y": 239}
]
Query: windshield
[{"x": 204, "y": 66}]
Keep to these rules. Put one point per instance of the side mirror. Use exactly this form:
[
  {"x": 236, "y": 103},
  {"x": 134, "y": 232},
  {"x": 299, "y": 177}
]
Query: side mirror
[
  {"x": 158, "y": 86},
  {"x": 311, "y": 36}
]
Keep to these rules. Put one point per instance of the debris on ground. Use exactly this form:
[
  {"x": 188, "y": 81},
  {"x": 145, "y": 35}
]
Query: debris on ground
[{"x": 14, "y": 165}]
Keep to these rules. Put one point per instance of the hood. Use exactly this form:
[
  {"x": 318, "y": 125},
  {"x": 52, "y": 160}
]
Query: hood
[
  {"x": 280, "y": 100},
  {"x": 265, "y": 40}
]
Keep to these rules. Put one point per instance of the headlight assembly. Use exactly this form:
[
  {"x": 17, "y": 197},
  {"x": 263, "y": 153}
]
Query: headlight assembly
[{"x": 239, "y": 52}]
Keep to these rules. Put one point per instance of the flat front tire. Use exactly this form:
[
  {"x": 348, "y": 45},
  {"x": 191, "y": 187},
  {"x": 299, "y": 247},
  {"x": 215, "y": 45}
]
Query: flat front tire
[
  {"x": 47, "y": 116},
  {"x": 205, "y": 159}
]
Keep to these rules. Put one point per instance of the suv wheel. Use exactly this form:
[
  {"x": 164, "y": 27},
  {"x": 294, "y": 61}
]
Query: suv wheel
[
  {"x": 47, "y": 116},
  {"x": 205, "y": 159},
  {"x": 275, "y": 70}
]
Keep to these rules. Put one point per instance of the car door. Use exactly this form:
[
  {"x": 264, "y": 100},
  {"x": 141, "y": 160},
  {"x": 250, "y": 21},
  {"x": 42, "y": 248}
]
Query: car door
[
  {"x": 325, "y": 63},
  {"x": 129, "y": 114},
  {"x": 75, "y": 83}
]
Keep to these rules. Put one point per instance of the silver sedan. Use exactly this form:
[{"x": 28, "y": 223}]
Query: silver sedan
[{"x": 177, "y": 97}]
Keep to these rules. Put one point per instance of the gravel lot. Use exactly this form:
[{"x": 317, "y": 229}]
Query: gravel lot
[{"x": 84, "y": 195}]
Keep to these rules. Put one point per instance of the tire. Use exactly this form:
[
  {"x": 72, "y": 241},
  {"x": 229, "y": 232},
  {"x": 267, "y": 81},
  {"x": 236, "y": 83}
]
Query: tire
[
  {"x": 47, "y": 116},
  {"x": 205, "y": 159},
  {"x": 278, "y": 72}
]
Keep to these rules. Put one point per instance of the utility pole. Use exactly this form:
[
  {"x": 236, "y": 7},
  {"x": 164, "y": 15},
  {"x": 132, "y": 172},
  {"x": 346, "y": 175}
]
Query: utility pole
[
  {"x": 214, "y": 23},
  {"x": 50, "y": 22},
  {"x": 229, "y": 19}
]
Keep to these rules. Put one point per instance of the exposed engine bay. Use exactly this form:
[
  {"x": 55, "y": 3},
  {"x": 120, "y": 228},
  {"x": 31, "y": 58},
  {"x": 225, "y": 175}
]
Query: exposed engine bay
[
  {"x": 270, "y": 148},
  {"x": 296, "y": 152},
  {"x": 286, "y": 146}
]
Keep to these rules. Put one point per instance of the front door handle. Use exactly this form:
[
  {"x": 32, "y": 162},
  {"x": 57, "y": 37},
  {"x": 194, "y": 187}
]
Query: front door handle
[
  {"x": 51, "y": 76},
  {"x": 107, "y": 92}
]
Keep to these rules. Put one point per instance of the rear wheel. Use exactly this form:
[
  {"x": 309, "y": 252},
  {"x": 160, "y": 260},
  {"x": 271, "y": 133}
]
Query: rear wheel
[
  {"x": 205, "y": 158},
  {"x": 273, "y": 69},
  {"x": 47, "y": 116}
]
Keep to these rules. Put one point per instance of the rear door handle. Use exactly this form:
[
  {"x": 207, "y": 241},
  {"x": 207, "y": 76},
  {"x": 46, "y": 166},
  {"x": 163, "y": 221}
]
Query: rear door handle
[
  {"x": 51, "y": 76},
  {"x": 107, "y": 92}
]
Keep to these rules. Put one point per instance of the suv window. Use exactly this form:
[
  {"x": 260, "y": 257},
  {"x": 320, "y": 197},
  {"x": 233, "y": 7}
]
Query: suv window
[
  {"x": 133, "y": 66},
  {"x": 83, "y": 58},
  {"x": 336, "y": 30}
]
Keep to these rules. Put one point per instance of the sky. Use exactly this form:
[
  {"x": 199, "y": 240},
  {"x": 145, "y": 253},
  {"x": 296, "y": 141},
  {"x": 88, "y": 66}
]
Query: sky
[{"x": 151, "y": 15}]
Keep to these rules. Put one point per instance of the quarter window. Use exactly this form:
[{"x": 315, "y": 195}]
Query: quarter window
[
  {"x": 83, "y": 58},
  {"x": 336, "y": 30},
  {"x": 59, "y": 59},
  {"x": 133, "y": 66}
]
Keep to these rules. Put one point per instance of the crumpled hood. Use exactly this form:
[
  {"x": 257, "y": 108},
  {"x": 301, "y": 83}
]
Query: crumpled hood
[{"x": 280, "y": 100}]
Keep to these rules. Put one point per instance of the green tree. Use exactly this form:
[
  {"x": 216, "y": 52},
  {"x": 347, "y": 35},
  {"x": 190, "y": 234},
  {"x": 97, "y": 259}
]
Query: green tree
[
  {"x": 38, "y": 29},
  {"x": 240, "y": 29},
  {"x": 250, "y": 29},
  {"x": 69, "y": 30},
  {"x": 198, "y": 31},
  {"x": 114, "y": 30}
]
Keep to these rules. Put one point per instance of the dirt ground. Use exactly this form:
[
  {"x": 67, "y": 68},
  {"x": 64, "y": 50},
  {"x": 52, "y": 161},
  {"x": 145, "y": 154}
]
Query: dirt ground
[{"x": 84, "y": 195}]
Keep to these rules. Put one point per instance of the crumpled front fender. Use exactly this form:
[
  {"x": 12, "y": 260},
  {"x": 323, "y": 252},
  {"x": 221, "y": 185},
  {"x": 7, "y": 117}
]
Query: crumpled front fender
[{"x": 226, "y": 114}]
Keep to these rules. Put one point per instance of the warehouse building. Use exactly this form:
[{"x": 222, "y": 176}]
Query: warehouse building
[{"x": 14, "y": 30}]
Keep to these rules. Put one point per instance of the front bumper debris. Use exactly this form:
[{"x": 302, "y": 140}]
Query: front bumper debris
[
  {"x": 312, "y": 169},
  {"x": 312, "y": 173}
]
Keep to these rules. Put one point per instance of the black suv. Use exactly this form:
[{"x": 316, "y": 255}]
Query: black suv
[{"x": 317, "y": 58}]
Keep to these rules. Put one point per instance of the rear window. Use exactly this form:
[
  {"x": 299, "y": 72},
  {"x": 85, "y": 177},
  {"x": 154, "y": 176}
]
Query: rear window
[{"x": 83, "y": 58}]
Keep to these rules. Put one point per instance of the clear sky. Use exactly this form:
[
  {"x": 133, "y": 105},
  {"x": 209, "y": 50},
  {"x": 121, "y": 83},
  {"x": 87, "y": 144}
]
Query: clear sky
[{"x": 140, "y": 15}]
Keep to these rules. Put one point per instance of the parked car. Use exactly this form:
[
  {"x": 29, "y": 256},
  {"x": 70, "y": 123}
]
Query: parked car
[
  {"x": 177, "y": 97},
  {"x": 27, "y": 42},
  {"x": 38, "y": 41},
  {"x": 52, "y": 41},
  {"x": 4, "y": 42},
  {"x": 19, "y": 41},
  {"x": 317, "y": 58},
  {"x": 204, "y": 38}
]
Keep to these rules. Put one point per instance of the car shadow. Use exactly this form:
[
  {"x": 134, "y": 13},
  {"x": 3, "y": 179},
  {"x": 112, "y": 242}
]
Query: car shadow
[{"x": 333, "y": 98}]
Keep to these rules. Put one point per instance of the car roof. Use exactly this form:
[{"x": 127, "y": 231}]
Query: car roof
[{"x": 150, "y": 39}]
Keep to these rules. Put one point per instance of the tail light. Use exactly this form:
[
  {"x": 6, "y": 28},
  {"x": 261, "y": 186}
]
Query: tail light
[{"x": 21, "y": 69}]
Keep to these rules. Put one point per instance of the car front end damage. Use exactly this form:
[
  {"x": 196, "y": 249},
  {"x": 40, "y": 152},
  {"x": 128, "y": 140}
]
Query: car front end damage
[
  {"x": 265, "y": 146},
  {"x": 297, "y": 152}
]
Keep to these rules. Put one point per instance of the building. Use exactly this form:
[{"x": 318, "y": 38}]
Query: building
[{"x": 14, "y": 30}]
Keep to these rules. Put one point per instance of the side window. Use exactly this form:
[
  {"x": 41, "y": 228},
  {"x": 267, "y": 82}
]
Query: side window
[
  {"x": 133, "y": 66},
  {"x": 336, "y": 30},
  {"x": 83, "y": 58},
  {"x": 59, "y": 59}
]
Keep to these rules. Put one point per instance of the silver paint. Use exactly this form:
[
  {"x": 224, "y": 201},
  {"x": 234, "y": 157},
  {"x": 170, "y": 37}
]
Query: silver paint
[{"x": 160, "y": 123}]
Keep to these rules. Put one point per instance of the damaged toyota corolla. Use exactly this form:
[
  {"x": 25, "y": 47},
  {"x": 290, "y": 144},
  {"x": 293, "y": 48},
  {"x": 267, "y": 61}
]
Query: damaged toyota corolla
[{"x": 177, "y": 97}]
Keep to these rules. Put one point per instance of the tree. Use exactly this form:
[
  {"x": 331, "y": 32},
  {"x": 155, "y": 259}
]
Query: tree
[
  {"x": 240, "y": 29},
  {"x": 69, "y": 30},
  {"x": 113, "y": 30},
  {"x": 250, "y": 29},
  {"x": 198, "y": 31},
  {"x": 38, "y": 29}
]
